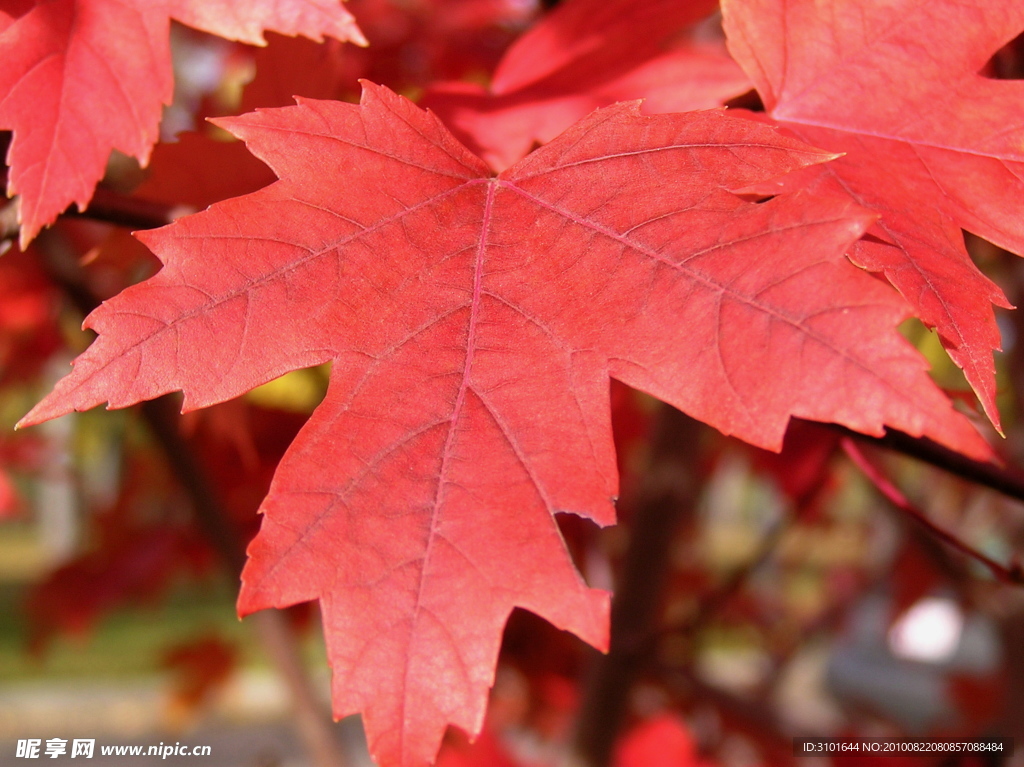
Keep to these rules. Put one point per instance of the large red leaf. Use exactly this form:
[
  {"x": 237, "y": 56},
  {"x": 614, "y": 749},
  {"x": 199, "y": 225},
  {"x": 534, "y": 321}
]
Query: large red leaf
[
  {"x": 929, "y": 143},
  {"x": 83, "y": 77},
  {"x": 473, "y": 322}
]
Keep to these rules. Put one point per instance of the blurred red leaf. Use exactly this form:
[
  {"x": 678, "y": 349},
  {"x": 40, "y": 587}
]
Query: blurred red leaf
[
  {"x": 663, "y": 741},
  {"x": 29, "y": 306},
  {"x": 134, "y": 569},
  {"x": 803, "y": 465},
  {"x": 486, "y": 751},
  {"x": 197, "y": 170},
  {"x": 199, "y": 667},
  {"x": 137, "y": 554},
  {"x": 584, "y": 55}
]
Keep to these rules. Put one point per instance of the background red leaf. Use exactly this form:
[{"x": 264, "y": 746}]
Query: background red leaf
[{"x": 584, "y": 55}]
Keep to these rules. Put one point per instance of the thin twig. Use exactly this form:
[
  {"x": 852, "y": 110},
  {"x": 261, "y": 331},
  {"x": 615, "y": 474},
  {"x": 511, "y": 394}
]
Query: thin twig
[
  {"x": 128, "y": 211},
  {"x": 1013, "y": 574},
  {"x": 107, "y": 206},
  {"x": 1007, "y": 480},
  {"x": 9, "y": 226},
  {"x": 721, "y": 595}
]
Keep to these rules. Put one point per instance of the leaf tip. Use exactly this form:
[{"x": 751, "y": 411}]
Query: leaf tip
[
  {"x": 370, "y": 90},
  {"x": 631, "y": 107},
  {"x": 990, "y": 409},
  {"x": 862, "y": 220},
  {"x": 244, "y": 605},
  {"x": 226, "y": 123},
  {"x": 40, "y": 413},
  {"x": 356, "y": 37}
]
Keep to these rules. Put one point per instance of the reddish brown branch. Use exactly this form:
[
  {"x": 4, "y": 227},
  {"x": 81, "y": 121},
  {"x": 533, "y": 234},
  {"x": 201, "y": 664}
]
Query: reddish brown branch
[
  {"x": 9, "y": 227},
  {"x": 1013, "y": 574},
  {"x": 107, "y": 206},
  {"x": 130, "y": 212},
  {"x": 668, "y": 493},
  {"x": 1007, "y": 480},
  {"x": 710, "y": 604}
]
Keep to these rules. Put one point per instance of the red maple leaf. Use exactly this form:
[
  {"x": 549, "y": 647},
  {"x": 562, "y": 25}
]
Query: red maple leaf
[
  {"x": 473, "y": 322},
  {"x": 83, "y": 77},
  {"x": 588, "y": 54},
  {"x": 930, "y": 144}
]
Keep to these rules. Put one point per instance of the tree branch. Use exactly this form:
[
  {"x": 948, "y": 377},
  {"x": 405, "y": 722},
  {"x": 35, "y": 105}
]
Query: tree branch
[
  {"x": 9, "y": 226},
  {"x": 1013, "y": 574},
  {"x": 130, "y": 212},
  {"x": 667, "y": 495},
  {"x": 1007, "y": 480},
  {"x": 107, "y": 206}
]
